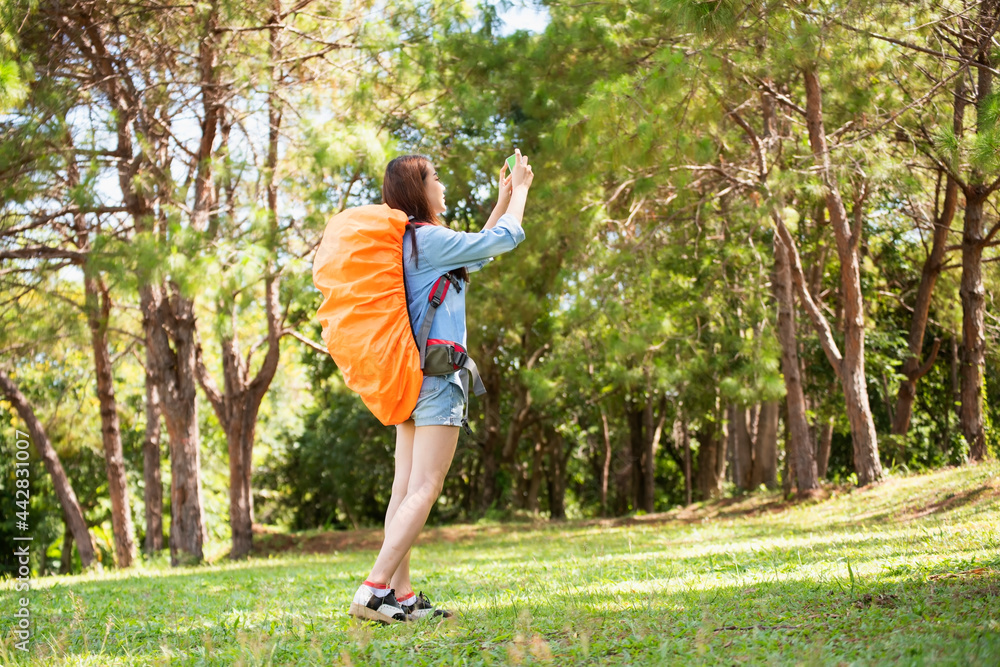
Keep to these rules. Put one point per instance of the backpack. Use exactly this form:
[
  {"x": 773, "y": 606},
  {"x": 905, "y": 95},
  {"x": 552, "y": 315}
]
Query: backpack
[{"x": 358, "y": 268}]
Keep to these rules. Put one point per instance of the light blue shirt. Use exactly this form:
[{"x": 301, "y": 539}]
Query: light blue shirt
[{"x": 440, "y": 250}]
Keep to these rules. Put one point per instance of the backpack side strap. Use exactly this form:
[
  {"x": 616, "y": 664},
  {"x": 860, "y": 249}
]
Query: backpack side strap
[
  {"x": 436, "y": 298},
  {"x": 443, "y": 357}
]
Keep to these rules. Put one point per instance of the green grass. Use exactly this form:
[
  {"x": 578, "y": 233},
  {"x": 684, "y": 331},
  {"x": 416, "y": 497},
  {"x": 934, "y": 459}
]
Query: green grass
[{"x": 905, "y": 573}]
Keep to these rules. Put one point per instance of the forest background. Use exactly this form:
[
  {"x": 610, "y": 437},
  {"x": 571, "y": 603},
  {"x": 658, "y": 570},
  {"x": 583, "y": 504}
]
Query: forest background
[{"x": 761, "y": 250}]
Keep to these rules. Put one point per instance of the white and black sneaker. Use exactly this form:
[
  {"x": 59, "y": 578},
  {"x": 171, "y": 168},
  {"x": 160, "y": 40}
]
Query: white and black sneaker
[
  {"x": 368, "y": 606},
  {"x": 421, "y": 607}
]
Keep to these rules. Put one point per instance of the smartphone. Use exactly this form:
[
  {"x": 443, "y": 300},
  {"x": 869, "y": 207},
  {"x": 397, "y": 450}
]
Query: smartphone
[{"x": 511, "y": 161}]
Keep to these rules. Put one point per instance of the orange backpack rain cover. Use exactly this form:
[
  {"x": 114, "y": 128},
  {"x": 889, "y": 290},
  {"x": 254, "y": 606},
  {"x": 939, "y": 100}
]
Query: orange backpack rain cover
[{"x": 366, "y": 326}]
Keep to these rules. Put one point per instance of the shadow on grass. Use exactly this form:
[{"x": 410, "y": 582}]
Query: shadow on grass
[{"x": 973, "y": 497}]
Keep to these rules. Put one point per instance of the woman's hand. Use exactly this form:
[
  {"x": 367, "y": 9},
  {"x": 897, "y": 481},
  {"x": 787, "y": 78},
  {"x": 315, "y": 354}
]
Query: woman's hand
[
  {"x": 520, "y": 182},
  {"x": 505, "y": 188},
  {"x": 522, "y": 175}
]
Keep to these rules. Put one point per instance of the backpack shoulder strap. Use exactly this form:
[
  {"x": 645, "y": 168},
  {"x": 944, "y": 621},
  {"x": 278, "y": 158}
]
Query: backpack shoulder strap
[{"x": 436, "y": 298}]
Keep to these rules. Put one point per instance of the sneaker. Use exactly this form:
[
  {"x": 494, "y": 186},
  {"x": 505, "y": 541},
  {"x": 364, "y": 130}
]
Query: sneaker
[
  {"x": 422, "y": 608},
  {"x": 368, "y": 606}
]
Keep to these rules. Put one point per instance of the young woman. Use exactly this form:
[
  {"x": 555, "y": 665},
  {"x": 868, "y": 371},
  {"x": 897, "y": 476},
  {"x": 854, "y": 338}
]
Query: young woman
[{"x": 425, "y": 444}]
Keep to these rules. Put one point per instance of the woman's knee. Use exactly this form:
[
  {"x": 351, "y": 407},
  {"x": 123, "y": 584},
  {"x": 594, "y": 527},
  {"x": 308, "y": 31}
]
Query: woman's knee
[{"x": 427, "y": 488}]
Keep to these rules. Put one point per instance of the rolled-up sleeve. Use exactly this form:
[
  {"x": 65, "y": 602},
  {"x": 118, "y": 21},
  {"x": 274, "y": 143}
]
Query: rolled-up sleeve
[
  {"x": 447, "y": 250},
  {"x": 475, "y": 266}
]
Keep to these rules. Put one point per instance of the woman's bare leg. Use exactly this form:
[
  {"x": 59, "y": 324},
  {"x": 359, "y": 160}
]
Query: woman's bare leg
[
  {"x": 400, "y": 483},
  {"x": 433, "y": 451}
]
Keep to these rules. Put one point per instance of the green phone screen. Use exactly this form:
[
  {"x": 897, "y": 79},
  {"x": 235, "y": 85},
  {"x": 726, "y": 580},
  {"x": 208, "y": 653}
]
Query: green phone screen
[{"x": 511, "y": 161}]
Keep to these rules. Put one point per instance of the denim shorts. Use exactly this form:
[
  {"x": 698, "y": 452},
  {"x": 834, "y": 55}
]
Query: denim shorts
[{"x": 440, "y": 403}]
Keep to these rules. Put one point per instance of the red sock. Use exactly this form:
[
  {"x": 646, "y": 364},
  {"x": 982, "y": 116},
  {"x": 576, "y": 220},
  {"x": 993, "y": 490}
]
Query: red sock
[
  {"x": 406, "y": 599},
  {"x": 380, "y": 590}
]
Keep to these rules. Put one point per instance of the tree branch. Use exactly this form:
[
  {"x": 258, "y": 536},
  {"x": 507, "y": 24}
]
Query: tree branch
[
  {"x": 207, "y": 383},
  {"x": 923, "y": 370},
  {"x": 319, "y": 347},
  {"x": 914, "y": 47},
  {"x": 44, "y": 252},
  {"x": 781, "y": 98}
]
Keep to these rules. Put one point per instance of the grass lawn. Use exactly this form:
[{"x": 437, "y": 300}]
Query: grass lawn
[{"x": 905, "y": 573}]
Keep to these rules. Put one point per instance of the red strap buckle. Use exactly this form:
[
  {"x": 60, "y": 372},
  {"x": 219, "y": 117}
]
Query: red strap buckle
[{"x": 436, "y": 299}]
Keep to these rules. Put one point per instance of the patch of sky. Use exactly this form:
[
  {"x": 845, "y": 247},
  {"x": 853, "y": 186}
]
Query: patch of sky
[
  {"x": 893, "y": 214},
  {"x": 521, "y": 15}
]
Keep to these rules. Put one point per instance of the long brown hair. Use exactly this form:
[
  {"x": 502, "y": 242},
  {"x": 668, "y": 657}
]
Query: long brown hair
[{"x": 404, "y": 189}]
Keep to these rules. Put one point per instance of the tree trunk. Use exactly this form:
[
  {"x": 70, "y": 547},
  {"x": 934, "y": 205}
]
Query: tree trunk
[
  {"x": 686, "y": 444},
  {"x": 954, "y": 396},
  {"x": 97, "y": 308},
  {"x": 536, "y": 477},
  {"x": 711, "y": 457},
  {"x": 788, "y": 472},
  {"x": 852, "y": 364},
  {"x": 799, "y": 446},
  {"x": 521, "y": 480},
  {"x": 623, "y": 484},
  {"x": 557, "y": 474},
  {"x": 722, "y": 444},
  {"x": 98, "y": 312},
  {"x": 706, "y": 467},
  {"x": 866, "y": 461},
  {"x": 972, "y": 291},
  {"x": 973, "y": 295},
  {"x": 743, "y": 450},
  {"x": 606, "y": 468},
  {"x": 176, "y": 368},
  {"x": 823, "y": 448},
  {"x": 153, "y": 494},
  {"x": 753, "y": 422},
  {"x": 64, "y": 490},
  {"x": 492, "y": 444},
  {"x": 711, "y": 449},
  {"x": 66, "y": 555},
  {"x": 912, "y": 369},
  {"x": 765, "y": 460},
  {"x": 237, "y": 408},
  {"x": 239, "y": 440},
  {"x": 652, "y": 428},
  {"x": 730, "y": 434},
  {"x": 500, "y": 448},
  {"x": 637, "y": 446},
  {"x": 721, "y": 441}
]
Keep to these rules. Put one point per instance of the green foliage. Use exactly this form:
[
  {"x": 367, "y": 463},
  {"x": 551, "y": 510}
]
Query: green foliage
[{"x": 338, "y": 473}]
